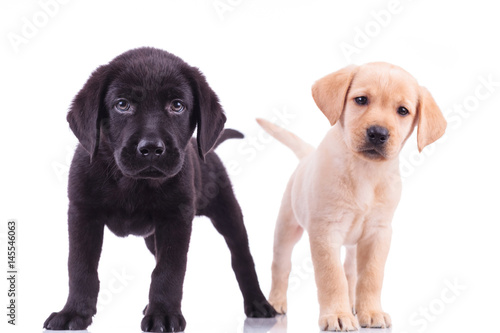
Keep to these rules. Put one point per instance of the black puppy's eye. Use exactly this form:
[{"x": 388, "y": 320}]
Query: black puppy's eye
[
  {"x": 122, "y": 105},
  {"x": 403, "y": 111},
  {"x": 361, "y": 100},
  {"x": 177, "y": 106}
]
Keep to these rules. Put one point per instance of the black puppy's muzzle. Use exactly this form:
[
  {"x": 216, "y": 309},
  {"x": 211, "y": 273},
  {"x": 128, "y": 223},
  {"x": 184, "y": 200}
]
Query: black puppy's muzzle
[
  {"x": 376, "y": 142},
  {"x": 150, "y": 157}
]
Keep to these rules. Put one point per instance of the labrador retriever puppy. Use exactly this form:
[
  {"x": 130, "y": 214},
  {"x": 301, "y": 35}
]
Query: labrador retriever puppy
[
  {"x": 138, "y": 171},
  {"x": 345, "y": 192}
]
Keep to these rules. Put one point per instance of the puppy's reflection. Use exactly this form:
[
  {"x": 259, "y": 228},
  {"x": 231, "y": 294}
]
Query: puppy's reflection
[
  {"x": 265, "y": 325},
  {"x": 62, "y": 331}
]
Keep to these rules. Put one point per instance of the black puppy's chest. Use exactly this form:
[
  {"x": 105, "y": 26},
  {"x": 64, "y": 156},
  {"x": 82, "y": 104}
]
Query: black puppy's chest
[
  {"x": 136, "y": 210},
  {"x": 123, "y": 223}
]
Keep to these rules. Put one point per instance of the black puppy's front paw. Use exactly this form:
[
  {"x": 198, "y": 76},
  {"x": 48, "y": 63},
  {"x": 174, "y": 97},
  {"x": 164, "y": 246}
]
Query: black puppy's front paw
[
  {"x": 163, "y": 323},
  {"x": 259, "y": 309},
  {"x": 67, "y": 320}
]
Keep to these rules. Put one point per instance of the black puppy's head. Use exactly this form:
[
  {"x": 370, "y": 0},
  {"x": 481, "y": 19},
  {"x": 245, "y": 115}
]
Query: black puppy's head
[{"x": 142, "y": 108}]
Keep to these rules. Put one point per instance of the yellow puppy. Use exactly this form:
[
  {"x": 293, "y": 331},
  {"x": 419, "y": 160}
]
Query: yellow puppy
[{"x": 345, "y": 192}]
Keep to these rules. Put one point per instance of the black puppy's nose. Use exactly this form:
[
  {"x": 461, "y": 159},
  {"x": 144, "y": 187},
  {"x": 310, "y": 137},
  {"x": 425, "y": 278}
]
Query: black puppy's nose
[
  {"x": 150, "y": 147},
  {"x": 377, "y": 135}
]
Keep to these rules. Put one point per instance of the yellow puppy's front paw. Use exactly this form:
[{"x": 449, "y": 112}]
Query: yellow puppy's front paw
[
  {"x": 279, "y": 305},
  {"x": 374, "y": 319},
  {"x": 338, "y": 322}
]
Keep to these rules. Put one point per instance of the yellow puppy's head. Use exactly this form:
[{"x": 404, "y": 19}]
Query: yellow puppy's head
[{"x": 378, "y": 106}]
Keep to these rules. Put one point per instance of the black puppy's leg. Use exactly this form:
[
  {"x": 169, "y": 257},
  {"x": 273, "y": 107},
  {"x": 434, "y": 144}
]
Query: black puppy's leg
[
  {"x": 150, "y": 243},
  {"x": 226, "y": 216},
  {"x": 85, "y": 243},
  {"x": 163, "y": 313}
]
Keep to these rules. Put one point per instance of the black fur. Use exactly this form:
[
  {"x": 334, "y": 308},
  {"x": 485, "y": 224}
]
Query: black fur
[{"x": 153, "y": 193}]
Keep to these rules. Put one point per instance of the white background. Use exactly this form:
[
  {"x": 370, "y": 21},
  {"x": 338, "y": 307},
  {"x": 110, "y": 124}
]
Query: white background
[{"x": 261, "y": 57}]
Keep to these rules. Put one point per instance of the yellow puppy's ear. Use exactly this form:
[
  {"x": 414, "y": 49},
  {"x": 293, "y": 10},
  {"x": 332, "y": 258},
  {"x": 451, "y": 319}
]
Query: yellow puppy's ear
[
  {"x": 330, "y": 92},
  {"x": 431, "y": 122}
]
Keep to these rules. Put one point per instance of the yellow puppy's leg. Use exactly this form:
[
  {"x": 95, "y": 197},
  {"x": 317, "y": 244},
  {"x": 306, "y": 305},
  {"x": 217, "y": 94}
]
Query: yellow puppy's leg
[
  {"x": 335, "y": 314},
  {"x": 351, "y": 274},
  {"x": 286, "y": 235},
  {"x": 371, "y": 257}
]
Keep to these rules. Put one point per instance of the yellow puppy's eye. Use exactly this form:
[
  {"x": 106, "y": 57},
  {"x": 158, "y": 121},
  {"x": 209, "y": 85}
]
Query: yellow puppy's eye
[
  {"x": 361, "y": 100},
  {"x": 403, "y": 111}
]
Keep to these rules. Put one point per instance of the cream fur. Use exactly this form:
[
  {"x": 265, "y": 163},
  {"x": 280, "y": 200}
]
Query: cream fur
[{"x": 344, "y": 198}]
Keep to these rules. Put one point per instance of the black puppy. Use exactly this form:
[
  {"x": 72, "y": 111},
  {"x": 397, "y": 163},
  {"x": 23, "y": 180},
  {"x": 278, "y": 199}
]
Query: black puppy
[{"x": 138, "y": 171}]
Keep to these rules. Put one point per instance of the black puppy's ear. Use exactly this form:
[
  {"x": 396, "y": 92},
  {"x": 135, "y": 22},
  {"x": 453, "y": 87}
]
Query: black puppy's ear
[
  {"x": 87, "y": 109},
  {"x": 210, "y": 117}
]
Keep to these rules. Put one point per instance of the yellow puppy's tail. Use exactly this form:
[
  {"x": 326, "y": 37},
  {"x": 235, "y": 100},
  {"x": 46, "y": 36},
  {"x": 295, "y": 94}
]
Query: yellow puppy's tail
[{"x": 296, "y": 144}]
